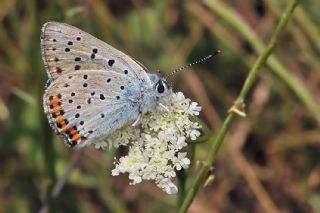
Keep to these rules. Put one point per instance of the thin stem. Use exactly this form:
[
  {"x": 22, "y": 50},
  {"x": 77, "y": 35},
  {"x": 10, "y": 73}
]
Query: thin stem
[
  {"x": 217, "y": 142},
  {"x": 182, "y": 178},
  {"x": 311, "y": 28},
  {"x": 62, "y": 182},
  {"x": 57, "y": 188},
  {"x": 267, "y": 52},
  {"x": 231, "y": 17},
  {"x": 45, "y": 134}
]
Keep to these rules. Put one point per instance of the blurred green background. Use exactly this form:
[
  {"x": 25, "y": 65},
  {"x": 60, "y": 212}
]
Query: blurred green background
[{"x": 269, "y": 161}]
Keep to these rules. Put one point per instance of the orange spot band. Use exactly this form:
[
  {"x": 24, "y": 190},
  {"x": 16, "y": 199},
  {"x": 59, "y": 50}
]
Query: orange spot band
[
  {"x": 71, "y": 132},
  {"x": 75, "y": 137}
]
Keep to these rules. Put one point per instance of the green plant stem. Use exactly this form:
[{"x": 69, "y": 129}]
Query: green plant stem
[
  {"x": 45, "y": 135},
  {"x": 307, "y": 52},
  {"x": 182, "y": 178},
  {"x": 276, "y": 66},
  {"x": 252, "y": 76},
  {"x": 311, "y": 29}
]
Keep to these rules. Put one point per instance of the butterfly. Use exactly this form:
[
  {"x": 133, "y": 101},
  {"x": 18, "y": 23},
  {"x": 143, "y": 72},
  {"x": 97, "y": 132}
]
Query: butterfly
[{"x": 93, "y": 88}]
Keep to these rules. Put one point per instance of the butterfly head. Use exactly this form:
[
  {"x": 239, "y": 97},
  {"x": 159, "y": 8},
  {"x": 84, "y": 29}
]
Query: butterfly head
[{"x": 161, "y": 85}]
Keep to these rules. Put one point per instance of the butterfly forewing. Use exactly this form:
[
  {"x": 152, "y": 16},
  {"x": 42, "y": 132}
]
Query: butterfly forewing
[{"x": 67, "y": 49}]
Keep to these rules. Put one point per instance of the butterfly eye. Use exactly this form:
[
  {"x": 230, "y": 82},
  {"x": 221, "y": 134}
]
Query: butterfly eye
[{"x": 161, "y": 86}]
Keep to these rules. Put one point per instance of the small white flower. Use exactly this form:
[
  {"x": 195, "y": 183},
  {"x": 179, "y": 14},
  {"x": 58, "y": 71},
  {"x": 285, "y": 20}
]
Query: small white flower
[
  {"x": 101, "y": 145},
  {"x": 155, "y": 149},
  {"x": 168, "y": 186}
]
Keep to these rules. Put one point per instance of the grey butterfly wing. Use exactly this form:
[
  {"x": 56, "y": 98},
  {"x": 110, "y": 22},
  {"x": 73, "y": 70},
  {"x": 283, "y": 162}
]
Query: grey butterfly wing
[
  {"x": 66, "y": 49},
  {"x": 88, "y": 105}
]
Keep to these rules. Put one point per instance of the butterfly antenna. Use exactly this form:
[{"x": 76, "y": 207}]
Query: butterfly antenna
[{"x": 193, "y": 63}]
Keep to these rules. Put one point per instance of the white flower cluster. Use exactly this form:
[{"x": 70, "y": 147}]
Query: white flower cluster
[{"x": 155, "y": 148}]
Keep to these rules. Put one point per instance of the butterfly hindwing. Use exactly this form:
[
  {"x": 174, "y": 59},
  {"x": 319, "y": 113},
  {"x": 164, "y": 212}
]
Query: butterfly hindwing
[{"x": 88, "y": 105}]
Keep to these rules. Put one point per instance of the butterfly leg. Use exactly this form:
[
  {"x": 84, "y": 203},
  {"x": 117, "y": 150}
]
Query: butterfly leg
[
  {"x": 138, "y": 120},
  {"x": 164, "y": 107}
]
